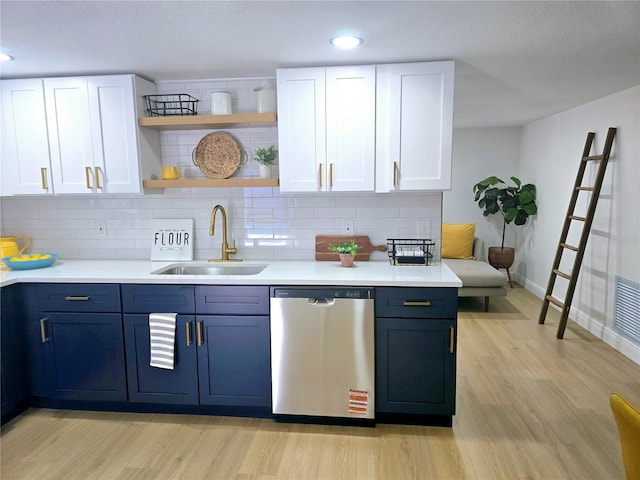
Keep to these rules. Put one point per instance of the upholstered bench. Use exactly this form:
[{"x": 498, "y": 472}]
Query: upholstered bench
[{"x": 479, "y": 279}]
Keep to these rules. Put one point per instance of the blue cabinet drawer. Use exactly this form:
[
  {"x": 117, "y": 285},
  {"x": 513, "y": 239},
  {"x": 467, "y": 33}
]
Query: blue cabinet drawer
[
  {"x": 158, "y": 298},
  {"x": 232, "y": 300},
  {"x": 79, "y": 297},
  {"x": 406, "y": 302}
]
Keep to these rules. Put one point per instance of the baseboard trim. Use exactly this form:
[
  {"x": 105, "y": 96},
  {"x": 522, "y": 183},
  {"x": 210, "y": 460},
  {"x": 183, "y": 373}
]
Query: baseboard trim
[{"x": 609, "y": 336}]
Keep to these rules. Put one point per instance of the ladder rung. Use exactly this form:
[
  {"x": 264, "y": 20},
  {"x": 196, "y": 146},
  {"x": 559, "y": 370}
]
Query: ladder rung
[
  {"x": 562, "y": 274},
  {"x": 586, "y": 189},
  {"x": 573, "y": 217},
  {"x": 569, "y": 247},
  {"x": 555, "y": 301},
  {"x": 593, "y": 158}
]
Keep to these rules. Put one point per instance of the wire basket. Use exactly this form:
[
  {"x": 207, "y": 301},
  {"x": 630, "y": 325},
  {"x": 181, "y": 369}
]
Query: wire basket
[
  {"x": 410, "y": 251},
  {"x": 174, "y": 104}
]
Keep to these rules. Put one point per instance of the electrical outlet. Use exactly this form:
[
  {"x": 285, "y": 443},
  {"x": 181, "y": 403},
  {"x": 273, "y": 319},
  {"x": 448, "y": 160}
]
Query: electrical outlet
[
  {"x": 347, "y": 227},
  {"x": 101, "y": 229}
]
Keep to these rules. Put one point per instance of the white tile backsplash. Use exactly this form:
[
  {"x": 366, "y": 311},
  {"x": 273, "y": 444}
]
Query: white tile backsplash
[{"x": 264, "y": 223}]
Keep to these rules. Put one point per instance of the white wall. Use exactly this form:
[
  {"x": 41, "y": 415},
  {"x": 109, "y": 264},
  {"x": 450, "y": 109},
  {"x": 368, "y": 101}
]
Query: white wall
[
  {"x": 477, "y": 154},
  {"x": 551, "y": 150}
]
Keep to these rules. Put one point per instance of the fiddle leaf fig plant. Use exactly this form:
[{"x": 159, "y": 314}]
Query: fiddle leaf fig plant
[
  {"x": 515, "y": 203},
  {"x": 350, "y": 247},
  {"x": 266, "y": 155}
]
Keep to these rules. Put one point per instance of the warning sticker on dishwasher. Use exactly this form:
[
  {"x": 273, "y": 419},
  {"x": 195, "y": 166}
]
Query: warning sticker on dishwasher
[{"x": 358, "y": 401}]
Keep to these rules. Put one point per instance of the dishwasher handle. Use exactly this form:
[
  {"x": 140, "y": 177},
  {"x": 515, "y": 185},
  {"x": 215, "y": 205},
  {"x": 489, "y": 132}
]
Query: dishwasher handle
[{"x": 322, "y": 302}]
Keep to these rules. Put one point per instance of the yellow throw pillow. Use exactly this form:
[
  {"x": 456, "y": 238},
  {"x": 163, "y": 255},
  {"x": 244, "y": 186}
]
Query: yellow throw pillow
[{"x": 457, "y": 240}]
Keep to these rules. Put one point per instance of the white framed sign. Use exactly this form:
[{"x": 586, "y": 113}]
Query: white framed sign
[{"x": 172, "y": 239}]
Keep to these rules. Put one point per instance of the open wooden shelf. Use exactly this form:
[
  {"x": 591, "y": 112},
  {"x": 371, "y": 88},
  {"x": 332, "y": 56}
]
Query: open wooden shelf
[
  {"x": 212, "y": 183},
  {"x": 201, "y": 122}
]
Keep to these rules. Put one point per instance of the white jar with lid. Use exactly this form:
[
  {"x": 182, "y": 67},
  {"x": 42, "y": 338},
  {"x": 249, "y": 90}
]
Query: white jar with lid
[
  {"x": 221, "y": 103},
  {"x": 266, "y": 98}
]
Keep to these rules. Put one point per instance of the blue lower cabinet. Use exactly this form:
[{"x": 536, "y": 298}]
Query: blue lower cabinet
[
  {"x": 234, "y": 360},
  {"x": 149, "y": 384},
  {"x": 84, "y": 355},
  {"x": 415, "y": 366}
]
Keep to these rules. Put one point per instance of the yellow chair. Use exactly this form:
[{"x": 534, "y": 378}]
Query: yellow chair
[{"x": 628, "y": 421}]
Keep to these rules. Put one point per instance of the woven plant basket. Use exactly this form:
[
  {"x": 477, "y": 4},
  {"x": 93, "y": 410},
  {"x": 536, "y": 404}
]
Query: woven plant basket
[{"x": 218, "y": 155}]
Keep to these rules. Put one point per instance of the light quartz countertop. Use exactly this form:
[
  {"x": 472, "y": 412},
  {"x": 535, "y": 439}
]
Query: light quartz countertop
[{"x": 277, "y": 272}]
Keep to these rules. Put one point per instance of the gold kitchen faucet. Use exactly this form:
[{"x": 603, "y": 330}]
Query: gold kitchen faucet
[{"x": 225, "y": 246}]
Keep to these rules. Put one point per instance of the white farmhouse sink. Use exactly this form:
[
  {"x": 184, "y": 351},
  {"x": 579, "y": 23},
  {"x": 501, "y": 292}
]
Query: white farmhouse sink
[{"x": 211, "y": 268}]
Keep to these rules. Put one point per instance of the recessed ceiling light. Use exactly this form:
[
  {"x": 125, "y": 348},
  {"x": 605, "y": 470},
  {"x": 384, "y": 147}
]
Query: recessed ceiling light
[
  {"x": 5, "y": 58},
  {"x": 345, "y": 41}
]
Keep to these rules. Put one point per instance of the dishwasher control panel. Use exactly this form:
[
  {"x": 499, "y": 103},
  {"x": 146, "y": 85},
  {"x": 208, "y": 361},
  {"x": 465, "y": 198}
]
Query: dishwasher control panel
[{"x": 355, "y": 293}]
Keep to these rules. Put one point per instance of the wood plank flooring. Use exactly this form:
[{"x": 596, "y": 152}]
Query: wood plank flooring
[{"x": 528, "y": 406}]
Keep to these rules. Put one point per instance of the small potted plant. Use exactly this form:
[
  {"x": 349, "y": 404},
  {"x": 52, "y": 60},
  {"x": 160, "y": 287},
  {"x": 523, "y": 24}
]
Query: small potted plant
[
  {"x": 266, "y": 157},
  {"x": 347, "y": 251}
]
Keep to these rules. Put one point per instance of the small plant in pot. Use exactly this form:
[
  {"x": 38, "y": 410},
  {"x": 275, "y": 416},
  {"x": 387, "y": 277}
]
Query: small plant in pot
[
  {"x": 515, "y": 203},
  {"x": 266, "y": 157},
  {"x": 347, "y": 251}
]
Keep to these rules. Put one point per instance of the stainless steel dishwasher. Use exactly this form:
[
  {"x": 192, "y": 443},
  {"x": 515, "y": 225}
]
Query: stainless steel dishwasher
[{"x": 322, "y": 353}]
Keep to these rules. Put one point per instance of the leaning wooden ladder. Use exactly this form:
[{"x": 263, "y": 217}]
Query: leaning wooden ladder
[{"x": 587, "y": 221}]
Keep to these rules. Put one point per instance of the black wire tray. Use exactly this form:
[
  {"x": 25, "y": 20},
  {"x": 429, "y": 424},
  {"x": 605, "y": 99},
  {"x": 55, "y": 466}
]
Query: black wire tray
[
  {"x": 173, "y": 104},
  {"x": 410, "y": 251}
]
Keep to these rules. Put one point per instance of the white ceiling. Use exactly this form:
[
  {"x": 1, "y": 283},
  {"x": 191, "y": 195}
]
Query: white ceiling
[{"x": 515, "y": 61}]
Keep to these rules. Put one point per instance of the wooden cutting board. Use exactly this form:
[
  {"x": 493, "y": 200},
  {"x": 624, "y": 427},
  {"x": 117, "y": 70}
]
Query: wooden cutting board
[{"x": 323, "y": 242}]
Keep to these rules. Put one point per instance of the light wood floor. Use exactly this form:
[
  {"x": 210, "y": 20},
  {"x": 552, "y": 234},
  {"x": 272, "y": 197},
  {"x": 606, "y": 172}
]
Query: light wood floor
[{"x": 528, "y": 406}]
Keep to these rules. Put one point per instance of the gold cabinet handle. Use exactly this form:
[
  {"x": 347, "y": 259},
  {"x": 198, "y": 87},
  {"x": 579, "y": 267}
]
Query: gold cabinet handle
[
  {"x": 320, "y": 175},
  {"x": 199, "y": 333},
  {"x": 72, "y": 298},
  {"x": 188, "y": 332},
  {"x": 87, "y": 176},
  {"x": 452, "y": 336},
  {"x": 43, "y": 177},
  {"x": 395, "y": 174},
  {"x": 43, "y": 330},
  {"x": 425, "y": 303},
  {"x": 331, "y": 175},
  {"x": 98, "y": 178}
]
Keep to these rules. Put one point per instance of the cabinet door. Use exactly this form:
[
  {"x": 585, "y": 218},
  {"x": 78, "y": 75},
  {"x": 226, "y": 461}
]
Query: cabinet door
[
  {"x": 301, "y": 129},
  {"x": 350, "y": 126},
  {"x": 414, "y": 126},
  {"x": 69, "y": 126},
  {"x": 234, "y": 360},
  {"x": 13, "y": 373},
  {"x": 158, "y": 385},
  {"x": 26, "y": 168},
  {"x": 415, "y": 366},
  {"x": 84, "y": 356},
  {"x": 114, "y": 134}
]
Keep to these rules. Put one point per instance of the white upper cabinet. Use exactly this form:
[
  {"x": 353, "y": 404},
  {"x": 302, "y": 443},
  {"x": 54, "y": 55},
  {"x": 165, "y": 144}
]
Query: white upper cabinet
[
  {"x": 326, "y": 129},
  {"x": 93, "y": 134},
  {"x": 26, "y": 168},
  {"x": 414, "y": 126},
  {"x": 94, "y": 144}
]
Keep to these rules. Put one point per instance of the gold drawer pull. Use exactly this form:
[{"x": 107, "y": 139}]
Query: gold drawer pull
[
  {"x": 87, "y": 176},
  {"x": 98, "y": 178},
  {"x": 320, "y": 175},
  {"x": 395, "y": 174},
  {"x": 452, "y": 336},
  {"x": 199, "y": 333},
  {"x": 72, "y": 298},
  {"x": 331, "y": 175},
  {"x": 426, "y": 303},
  {"x": 188, "y": 331},
  {"x": 43, "y": 176},
  {"x": 43, "y": 330}
]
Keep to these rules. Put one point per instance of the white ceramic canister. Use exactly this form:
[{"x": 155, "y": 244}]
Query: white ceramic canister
[
  {"x": 266, "y": 98},
  {"x": 221, "y": 103}
]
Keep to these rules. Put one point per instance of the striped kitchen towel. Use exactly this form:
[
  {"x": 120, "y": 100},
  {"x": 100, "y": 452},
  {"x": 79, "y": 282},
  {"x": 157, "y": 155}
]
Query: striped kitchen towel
[{"x": 162, "y": 334}]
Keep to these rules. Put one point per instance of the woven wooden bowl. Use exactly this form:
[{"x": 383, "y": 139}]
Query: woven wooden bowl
[{"x": 218, "y": 155}]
